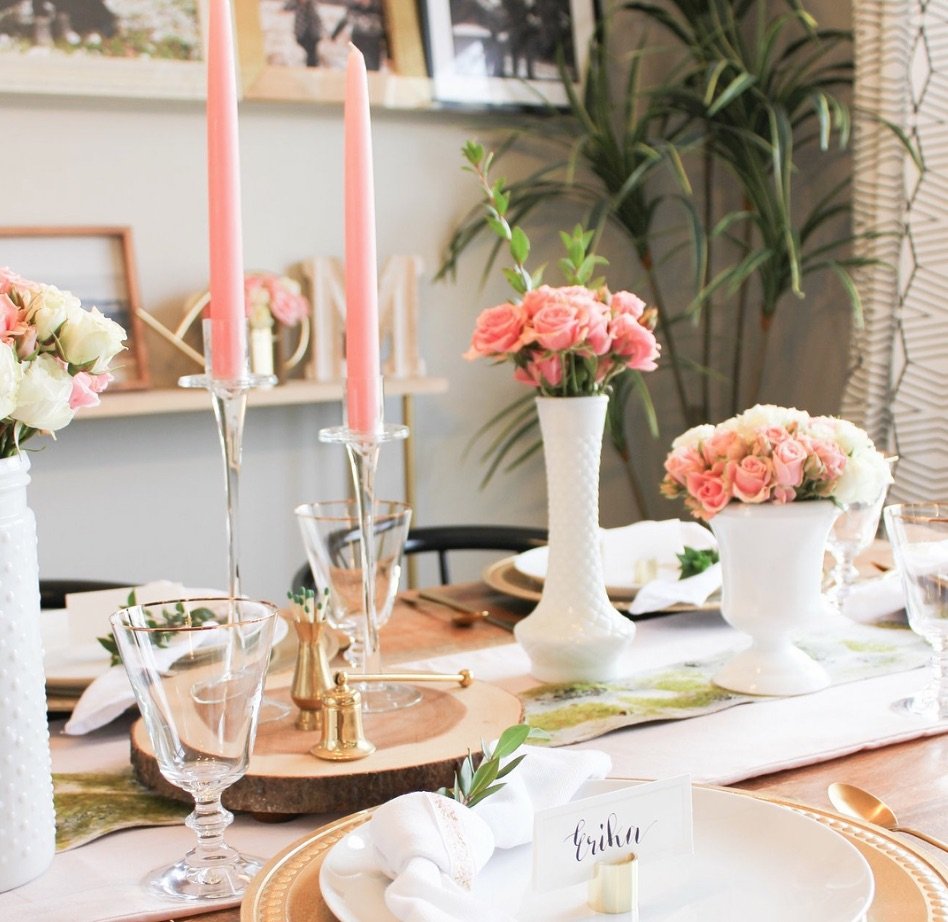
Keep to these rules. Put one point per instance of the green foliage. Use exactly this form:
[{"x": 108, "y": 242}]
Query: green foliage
[
  {"x": 694, "y": 561},
  {"x": 473, "y": 783},
  {"x": 177, "y": 617}
]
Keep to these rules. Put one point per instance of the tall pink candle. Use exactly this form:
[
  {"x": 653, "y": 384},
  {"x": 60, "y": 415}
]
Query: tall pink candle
[
  {"x": 362, "y": 313},
  {"x": 228, "y": 320}
]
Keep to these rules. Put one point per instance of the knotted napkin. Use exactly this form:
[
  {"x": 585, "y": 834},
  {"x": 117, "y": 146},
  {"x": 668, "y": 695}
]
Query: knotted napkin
[
  {"x": 665, "y": 540},
  {"x": 431, "y": 848}
]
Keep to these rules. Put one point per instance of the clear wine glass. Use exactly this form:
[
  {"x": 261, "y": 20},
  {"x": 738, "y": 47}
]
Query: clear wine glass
[
  {"x": 198, "y": 683},
  {"x": 853, "y": 531},
  {"x": 919, "y": 536},
  {"x": 332, "y": 536}
]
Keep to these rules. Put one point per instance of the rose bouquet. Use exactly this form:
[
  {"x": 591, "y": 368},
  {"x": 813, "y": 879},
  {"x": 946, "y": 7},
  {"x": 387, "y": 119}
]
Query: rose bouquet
[
  {"x": 272, "y": 298},
  {"x": 54, "y": 358},
  {"x": 568, "y": 341},
  {"x": 773, "y": 454}
]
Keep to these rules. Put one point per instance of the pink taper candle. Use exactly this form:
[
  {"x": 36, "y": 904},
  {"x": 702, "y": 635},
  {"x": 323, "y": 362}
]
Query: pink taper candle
[
  {"x": 362, "y": 314},
  {"x": 228, "y": 320}
]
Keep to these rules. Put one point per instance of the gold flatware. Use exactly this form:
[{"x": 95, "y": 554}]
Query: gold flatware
[
  {"x": 463, "y": 678},
  {"x": 466, "y": 616},
  {"x": 862, "y": 805}
]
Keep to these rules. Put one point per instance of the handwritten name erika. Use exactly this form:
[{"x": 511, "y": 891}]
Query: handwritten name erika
[{"x": 612, "y": 835}]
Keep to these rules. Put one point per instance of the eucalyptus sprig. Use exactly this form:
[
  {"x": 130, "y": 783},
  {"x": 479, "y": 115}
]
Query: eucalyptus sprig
[
  {"x": 178, "y": 617},
  {"x": 694, "y": 561},
  {"x": 472, "y": 785}
]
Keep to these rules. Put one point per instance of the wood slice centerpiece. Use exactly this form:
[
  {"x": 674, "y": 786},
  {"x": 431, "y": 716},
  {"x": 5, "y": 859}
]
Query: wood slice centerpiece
[{"x": 417, "y": 749}]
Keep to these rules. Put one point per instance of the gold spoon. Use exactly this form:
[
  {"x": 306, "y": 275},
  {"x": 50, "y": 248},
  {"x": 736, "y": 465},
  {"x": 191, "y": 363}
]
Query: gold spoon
[{"x": 862, "y": 805}]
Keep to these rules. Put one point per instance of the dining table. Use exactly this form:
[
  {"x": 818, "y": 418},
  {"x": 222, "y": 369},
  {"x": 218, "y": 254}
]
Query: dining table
[{"x": 911, "y": 776}]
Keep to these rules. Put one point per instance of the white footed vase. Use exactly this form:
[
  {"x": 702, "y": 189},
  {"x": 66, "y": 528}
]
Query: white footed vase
[
  {"x": 27, "y": 821},
  {"x": 574, "y": 634},
  {"x": 772, "y": 570}
]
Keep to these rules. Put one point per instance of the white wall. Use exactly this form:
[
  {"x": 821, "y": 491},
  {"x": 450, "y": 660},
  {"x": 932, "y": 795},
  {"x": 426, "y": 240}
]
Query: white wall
[{"x": 143, "y": 498}]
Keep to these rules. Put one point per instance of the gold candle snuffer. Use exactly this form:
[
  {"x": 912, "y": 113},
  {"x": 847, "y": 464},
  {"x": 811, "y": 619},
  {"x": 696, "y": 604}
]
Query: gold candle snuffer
[
  {"x": 343, "y": 738},
  {"x": 312, "y": 678}
]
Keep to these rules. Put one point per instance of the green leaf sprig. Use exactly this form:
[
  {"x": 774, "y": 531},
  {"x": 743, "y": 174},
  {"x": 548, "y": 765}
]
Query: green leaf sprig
[
  {"x": 694, "y": 561},
  {"x": 178, "y": 617},
  {"x": 472, "y": 785}
]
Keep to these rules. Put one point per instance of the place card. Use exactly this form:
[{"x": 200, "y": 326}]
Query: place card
[{"x": 650, "y": 820}]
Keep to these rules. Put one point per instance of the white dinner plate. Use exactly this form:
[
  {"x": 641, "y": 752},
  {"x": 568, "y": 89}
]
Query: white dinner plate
[
  {"x": 753, "y": 861},
  {"x": 73, "y": 658},
  {"x": 632, "y": 555}
]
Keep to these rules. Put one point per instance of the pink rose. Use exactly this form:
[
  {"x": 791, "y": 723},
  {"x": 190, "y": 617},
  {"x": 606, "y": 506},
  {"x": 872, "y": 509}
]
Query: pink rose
[
  {"x": 86, "y": 389},
  {"x": 784, "y": 495},
  {"x": 634, "y": 343},
  {"x": 682, "y": 462},
  {"x": 498, "y": 330},
  {"x": 598, "y": 335},
  {"x": 751, "y": 479},
  {"x": 287, "y": 306},
  {"x": 26, "y": 343},
  {"x": 831, "y": 457},
  {"x": 776, "y": 434},
  {"x": 710, "y": 492},
  {"x": 557, "y": 327},
  {"x": 723, "y": 445},
  {"x": 9, "y": 314},
  {"x": 546, "y": 372},
  {"x": 788, "y": 458},
  {"x": 624, "y": 302},
  {"x": 10, "y": 280}
]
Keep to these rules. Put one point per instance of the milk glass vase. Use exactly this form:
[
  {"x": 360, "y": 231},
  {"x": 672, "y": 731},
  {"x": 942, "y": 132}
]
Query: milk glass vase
[
  {"x": 574, "y": 634},
  {"x": 27, "y": 820},
  {"x": 772, "y": 569}
]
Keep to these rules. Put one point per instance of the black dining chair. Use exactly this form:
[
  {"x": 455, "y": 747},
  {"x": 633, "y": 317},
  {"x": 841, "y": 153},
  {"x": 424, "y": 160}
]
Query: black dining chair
[
  {"x": 443, "y": 539},
  {"x": 53, "y": 592}
]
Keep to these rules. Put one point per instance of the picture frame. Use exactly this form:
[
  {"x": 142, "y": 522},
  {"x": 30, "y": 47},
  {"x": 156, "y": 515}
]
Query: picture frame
[
  {"x": 97, "y": 264},
  {"x": 87, "y": 48},
  {"x": 503, "y": 53},
  {"x": 296, "y": 50}
]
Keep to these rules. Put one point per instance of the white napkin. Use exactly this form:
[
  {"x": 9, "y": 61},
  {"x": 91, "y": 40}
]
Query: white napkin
[
  {"x": 432, "y": 848},
  {"x": 874, "y": 598},
  {"x": 110, "y": 694},
  {"x": 666, "y": 540}
]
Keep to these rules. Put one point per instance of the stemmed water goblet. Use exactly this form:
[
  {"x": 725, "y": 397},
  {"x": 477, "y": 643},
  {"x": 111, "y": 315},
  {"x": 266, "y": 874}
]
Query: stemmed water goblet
[
  {"x": 198, "y": 685},
  {"x": 332, "y": 537},
  {"x": 853, "y": 531},
  {"x": 919, "y": 536}
]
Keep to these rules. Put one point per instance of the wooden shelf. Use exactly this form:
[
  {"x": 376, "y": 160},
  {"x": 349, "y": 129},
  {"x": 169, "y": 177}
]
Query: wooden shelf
[{"x": 292, "y": 393}]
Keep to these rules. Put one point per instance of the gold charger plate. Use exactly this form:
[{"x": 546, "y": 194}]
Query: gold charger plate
[
  {"x": 505, "y": 577},
  {"x": 910, "y": 887}
]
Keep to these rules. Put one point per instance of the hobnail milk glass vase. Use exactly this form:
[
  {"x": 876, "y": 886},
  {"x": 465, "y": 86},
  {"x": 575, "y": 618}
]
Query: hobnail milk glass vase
[
  {"x": 772, "y": 571},
  {"x": 27, "y": 821},
  {"x": 574, "y": 634}
]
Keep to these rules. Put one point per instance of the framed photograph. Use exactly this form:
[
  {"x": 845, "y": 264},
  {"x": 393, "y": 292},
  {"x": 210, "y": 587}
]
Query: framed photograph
[
  {"x": 94, "y": 48},
  {"x": 97, "y": 265},
  {"x": 297, "y": 49},
  {"x": 504, "y": 52}
]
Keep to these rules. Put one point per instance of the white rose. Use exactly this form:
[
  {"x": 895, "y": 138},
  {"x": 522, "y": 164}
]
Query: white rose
[
  {"x": 43, "y": 396},
  {"x": 10, "y": 374},
  {"x": 91, "y": 340},
  {"x": 765, "y": 416},
  {"x": 693, "y": 437},
  {"x": 865, "y": 477},
  {"x": 851, "y": 438},
  {"x": 49, "y": 308}
]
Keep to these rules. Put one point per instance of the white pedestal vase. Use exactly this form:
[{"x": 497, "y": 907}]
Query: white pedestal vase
[
  {"x": 772, "y": 569},
  {"x": 574, "y": 634},
  {"x": 27, "y": 822}
]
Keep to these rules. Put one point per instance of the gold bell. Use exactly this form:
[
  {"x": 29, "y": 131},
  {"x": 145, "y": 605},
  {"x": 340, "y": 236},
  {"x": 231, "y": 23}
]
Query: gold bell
[{"x": 342, "y": 738}]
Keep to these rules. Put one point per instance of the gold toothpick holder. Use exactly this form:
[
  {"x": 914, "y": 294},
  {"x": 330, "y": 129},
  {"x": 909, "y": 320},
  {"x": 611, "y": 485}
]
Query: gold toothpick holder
[{"x": 343, "y": 738}]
